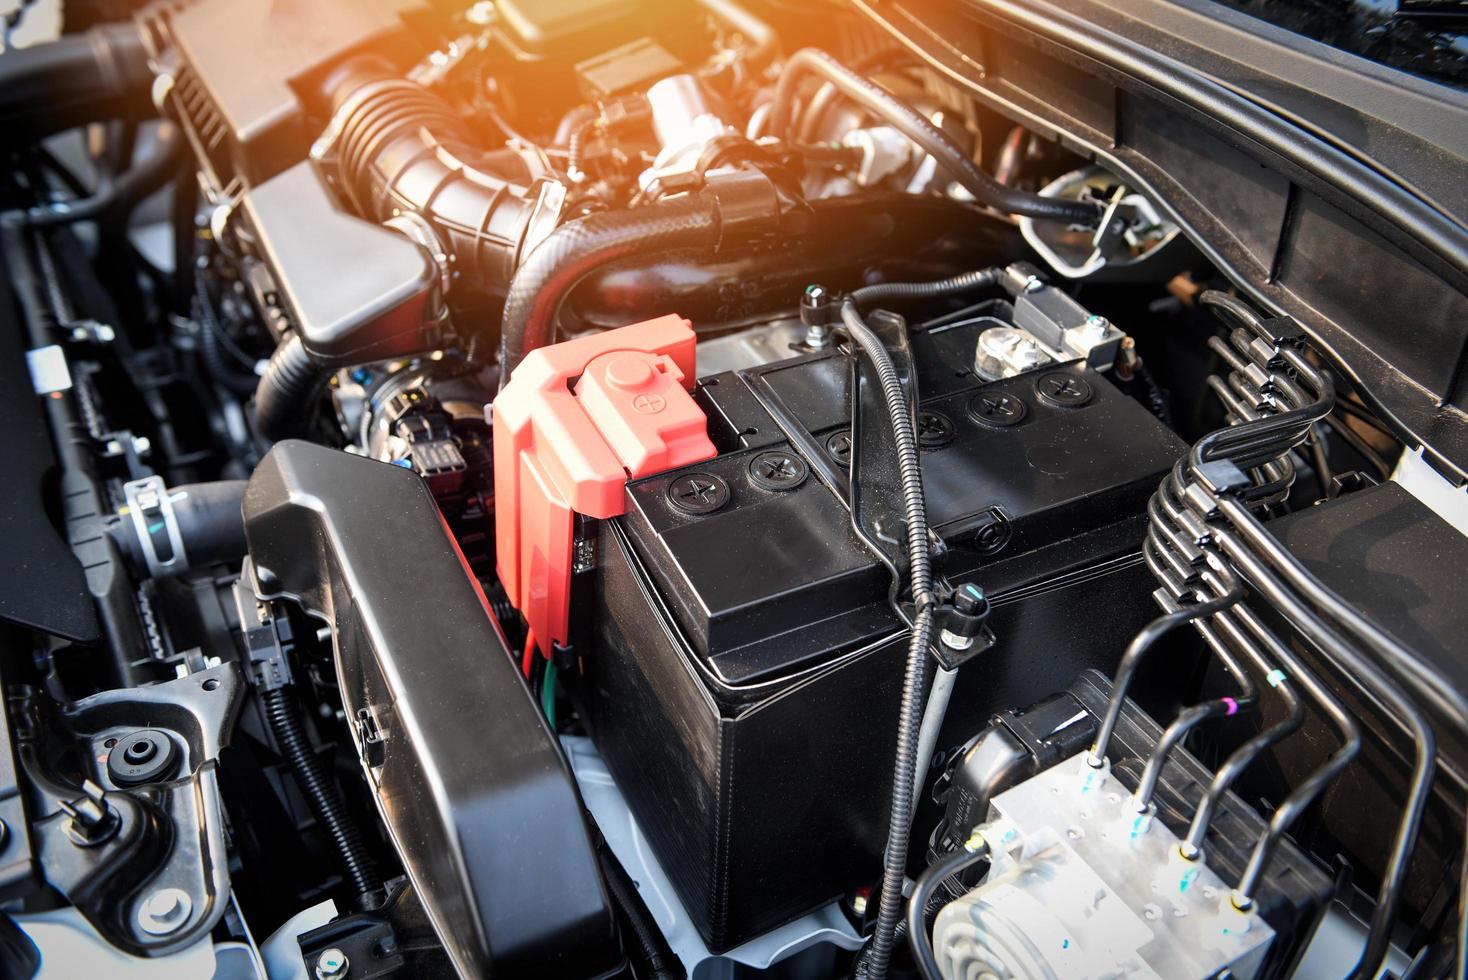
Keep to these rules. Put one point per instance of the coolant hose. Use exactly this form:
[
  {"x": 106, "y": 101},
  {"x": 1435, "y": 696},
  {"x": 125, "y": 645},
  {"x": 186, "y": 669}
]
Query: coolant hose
[
  {"x": 284, "y": 716},
  {"x": 117, "y": 201},
  {"x": 211, "y": 525},
  {"x": 283, "y": 396},
  {"x": 80, "y": 78},
  {"x": 916, "y": 127},
  {"x": 656, "y": 958},
  {"x": 578, "y": 248}
]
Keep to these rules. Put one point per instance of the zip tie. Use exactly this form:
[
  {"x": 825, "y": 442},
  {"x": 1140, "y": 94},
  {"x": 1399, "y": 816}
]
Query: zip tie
[{"x": 1276, "y": 677}]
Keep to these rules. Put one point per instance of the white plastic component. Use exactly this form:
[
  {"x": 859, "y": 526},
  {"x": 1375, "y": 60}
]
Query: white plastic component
[
  {"x": 1083, "y": 886},
  {"x": 1419, "y": 479},
  {"x": 1131, "y": 230}
]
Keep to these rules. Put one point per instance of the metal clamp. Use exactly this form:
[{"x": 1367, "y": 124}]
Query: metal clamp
[{"x": 151, "y": 512}]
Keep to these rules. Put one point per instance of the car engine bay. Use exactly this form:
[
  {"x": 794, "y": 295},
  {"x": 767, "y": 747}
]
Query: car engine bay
[{"x": 723, "y": 489}]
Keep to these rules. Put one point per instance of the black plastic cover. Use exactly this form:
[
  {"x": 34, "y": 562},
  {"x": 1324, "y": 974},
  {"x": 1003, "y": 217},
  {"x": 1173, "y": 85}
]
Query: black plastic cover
[
  {"x": 1384, "y": 551},
  {"x": 244, "y": 61},
  {"x": 469, "y": 779},
  {"x": 355, "y": 291}
]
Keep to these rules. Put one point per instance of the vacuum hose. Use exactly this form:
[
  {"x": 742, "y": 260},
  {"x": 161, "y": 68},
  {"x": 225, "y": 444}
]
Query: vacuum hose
[
  {"x": 916, "y": 127},
  {"x": 284, "y": 716}
]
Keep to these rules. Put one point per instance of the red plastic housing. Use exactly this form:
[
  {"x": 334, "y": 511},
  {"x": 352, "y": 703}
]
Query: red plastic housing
[{"x": 576, "y": 421}]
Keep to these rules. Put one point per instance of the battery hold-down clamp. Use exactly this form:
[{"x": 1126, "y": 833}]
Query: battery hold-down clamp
[{"x": 576, "y": 421}]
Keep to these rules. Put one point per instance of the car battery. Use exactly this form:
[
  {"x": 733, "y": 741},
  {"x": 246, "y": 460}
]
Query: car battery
[{"x": 745, "y": 672}]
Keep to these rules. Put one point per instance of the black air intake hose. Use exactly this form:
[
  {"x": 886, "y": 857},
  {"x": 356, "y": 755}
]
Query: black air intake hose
[
  {"x": 403, "y": 148},
  {"x": 580, "y": 247},
  {"x": 284, "y": 716},
  {"x": 916, "y": 127},
  {"x": 283, "y": 396},
  {"x": 81, "y": 78}
]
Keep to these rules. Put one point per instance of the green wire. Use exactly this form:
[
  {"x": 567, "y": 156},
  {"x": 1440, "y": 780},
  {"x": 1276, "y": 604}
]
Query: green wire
[{"x": 548, "y": 693}]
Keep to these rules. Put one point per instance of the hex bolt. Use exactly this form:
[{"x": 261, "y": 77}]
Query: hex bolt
[
  {"x": 777, "y": 470},
  {"x": 838, "y": 444},
  {"x": 997, "y": 408},
  {"x": 934, "y": 430},
  {"x": 698, "y": 493},
  {"x": 1063, "y": 390},
  {"x": 165, "y": 911},
  {"x": 332, "y": 964}
]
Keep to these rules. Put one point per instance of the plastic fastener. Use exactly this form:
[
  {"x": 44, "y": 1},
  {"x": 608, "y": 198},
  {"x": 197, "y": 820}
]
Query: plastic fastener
[{"x": 576, "y": 421}]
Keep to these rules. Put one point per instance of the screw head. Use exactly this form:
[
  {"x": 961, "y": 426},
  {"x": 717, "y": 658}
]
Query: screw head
[
  {"x": 777, "y": 470},
  {"x": 332, "y": 964},
  {"x": 934, "y": 430},
  {"x": 165, "y": 911},
  {"x": 698, "y": 493},
  {"x": 997, "y": 408},
  {"x": 1064, "y": 390},
  {"x": 838, "y": 444}
]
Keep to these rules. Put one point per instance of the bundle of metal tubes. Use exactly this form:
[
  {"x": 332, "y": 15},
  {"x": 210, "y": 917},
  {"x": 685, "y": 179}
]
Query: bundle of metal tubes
[{"x": 1210, "y": 551}]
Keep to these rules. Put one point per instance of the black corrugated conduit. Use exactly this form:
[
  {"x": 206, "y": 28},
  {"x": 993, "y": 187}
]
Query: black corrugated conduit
[
  {"x": 911, "y": 712},
  {"x": 284, "y": 716},
  {"x": 283, "y": 397}
]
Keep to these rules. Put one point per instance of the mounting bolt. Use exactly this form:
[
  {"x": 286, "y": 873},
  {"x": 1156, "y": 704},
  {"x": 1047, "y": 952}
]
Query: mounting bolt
[
  {"x": 332, "y": 964},
  {"x": 997, "y": 408},
  {"x": 1064, "y": 390},
  {"x": 777, "y": 470},
  {"x": 698, "y": 493},
  {"x": 817, "y": 311},
  {"x": 165, "y": 911}
]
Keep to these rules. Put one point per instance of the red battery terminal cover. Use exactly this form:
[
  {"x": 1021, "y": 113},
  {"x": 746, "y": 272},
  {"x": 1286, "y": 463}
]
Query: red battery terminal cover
[{"x": 576, "y": 421}]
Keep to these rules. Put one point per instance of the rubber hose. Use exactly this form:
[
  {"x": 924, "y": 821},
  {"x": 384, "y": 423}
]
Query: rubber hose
[
  {"x": 284, "y": 716},
  {"x": 579, "y": 247},
  {"x": 922, "y": 891},
  {"x": 910, "y": 712},
  {"x": 916, "y": 127},
  {"x": 283, "y": 395},
  {"x": 210, "y": 524},
  {"x": 211, "y": 353},
  {"x": 964, "y": 282},
  {"x": 80, "y": 78},
  {"x": 210, "y": 520},
  {"x": 658, "y": 961},
  {"x": 116, "y": 202}
]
